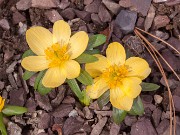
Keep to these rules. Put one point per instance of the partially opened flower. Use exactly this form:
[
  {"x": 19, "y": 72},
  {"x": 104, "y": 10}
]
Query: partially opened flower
[
  {"x": 122, "y": 77},
  {"x": 1, "y": 103},
  {"x": 55, "y": 52}
]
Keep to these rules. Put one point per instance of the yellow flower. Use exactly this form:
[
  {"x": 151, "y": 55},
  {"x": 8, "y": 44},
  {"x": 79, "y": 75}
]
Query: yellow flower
[
  {"x": 55, "y": 52},
  {"x": 122, "y": 77},
  {"x": 1, "y": 103}
]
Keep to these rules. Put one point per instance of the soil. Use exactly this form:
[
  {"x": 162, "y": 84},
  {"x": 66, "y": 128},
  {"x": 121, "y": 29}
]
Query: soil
[{"x": 60, "y": 112}]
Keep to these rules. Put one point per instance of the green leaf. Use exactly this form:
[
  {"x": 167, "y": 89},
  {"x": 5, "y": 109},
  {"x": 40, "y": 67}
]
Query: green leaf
[
  {"x": 10, "y": 110},
  {"x": 118, "y": 115},
  {"x": 38, "y": 79},
  {"x": 2, "y": 126},
  {"x": 86, "y": 58},
  {"x": 85, "y": 78},
  {"x": 94, "y": 51},
  {"x": 149, "y": 86},
  {"x": 86, "y": 99},
  {"x": 28, "y": 74},
  {"x": 75, "y": 88},
  {"x": 137, "y": 108},
  {"x": 42, "y": 89},
  {"x": 103, "y": 99},
  {"x": 96, "y": 40},
  {"x": 28, "y": 53}
]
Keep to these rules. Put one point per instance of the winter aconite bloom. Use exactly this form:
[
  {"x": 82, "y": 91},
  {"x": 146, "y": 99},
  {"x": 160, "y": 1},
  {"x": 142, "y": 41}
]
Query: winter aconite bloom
[
  {"x": 122, "y": 77},
  {"x": 1, "y": 103},
  {"x": 56, "y": 52}
]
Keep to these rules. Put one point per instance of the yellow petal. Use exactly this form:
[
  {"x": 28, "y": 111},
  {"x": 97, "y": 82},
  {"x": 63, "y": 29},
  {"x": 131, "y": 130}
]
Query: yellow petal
[
  {"x": 72, "y": 69},
  {"x": 116, "y": 53},
  {"x": 138, "y": 67},
  {"x": 35, "y": 63},
  {"x": 96, "y": 68},
  {"x": 61, "y": 32},
  {"x": 38, "y": 39},
  {"x": 78, "y": 43},
  {"x": 54, "y": 77},
  {"x": 131, "y": 86},
  {"x": 2, "y": 101},
  {"x": 119, "y": 100},
  {"x": 97, "y": 89}
]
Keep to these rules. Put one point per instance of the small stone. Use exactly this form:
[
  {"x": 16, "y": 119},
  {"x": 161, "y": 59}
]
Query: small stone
[
  {"x": 143, "y": 127},
  {"x": 87, "y": 2},
  {"x": 12, "y": 81},
  {"x": 114, "y": 129},
  {"x": 156, "y": 116},
  {"x": 44, "y": 4},
  {"x": 112, "y": 6},
  {"x": 23, "y": 4},
  {"x": 31, "y": 105},
  {"x": 125, "y": 3},
  {"x": 99, "y": 126},
  {"x": 73, "y": 113},
  {"x": 2, "y": 85},
  {"x": 8, "y": 55},
  {"x": 158, "y": 46},
  {"x": 88, "y": 113},
  {"x": 22, "y": 28},
  {"x": 130, "y": 120},
  {"x": 4, "y": 24},
  {"x": 165, "y": 115},
  {"x": 161, "y": 21},
  {"x": 159, "y": 1},
  {"x": 68, "y": 13},
  {"x": 103, "y": 14},
  {"x": 93, "y": 7},
  {"x": 18, "y": 17},
  {"x": 149, "y": 18},
  {"x": 62, "y": 111},
  {"x": 11, "y": 67},
  {"x": 176, "y": 102},
  {"x": 172, "y": 3},
  {"x": 86, "y": 16},
  {"x": 44, "y": 121},
  {"x": 13, "y": 129},
  {"x": 158, "y": 99},
  {"x": 117, "y": 31},
  {"x": 104, "y": 113},
  {"x": 95, "y": 18},
  {"x": 53, "y": 16},
  {"x": 126, "y": 21},
  {"x": 43, "y": 101},
  {"x": 162, "y": 126},
  {"x": 83, "y": 28},
  {"x": 64, "y": 4},
  {"x": 174, "y": 42},
  {"x": 72, "y": 125},
  {"x": 68, "y": 100}
]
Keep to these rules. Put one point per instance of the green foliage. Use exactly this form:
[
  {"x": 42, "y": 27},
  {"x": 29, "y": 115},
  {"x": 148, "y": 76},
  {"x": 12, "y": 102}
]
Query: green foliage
[
  {"x": 28, "y": 53},
  {"x": 2, "y": 126},
  {"x": 28, "y": 74},
  {"x": 10, "y": 110},
  {"x": 93, "y": 51},
  {"x": 149, "y": 86},
  {"x": 85, "y": 78},
  {"x": 103, "y": 99},
  {"x": 86, "y": 58},
  {"x": 118, "y": 115},
  {"x": 96, "y": 40}
]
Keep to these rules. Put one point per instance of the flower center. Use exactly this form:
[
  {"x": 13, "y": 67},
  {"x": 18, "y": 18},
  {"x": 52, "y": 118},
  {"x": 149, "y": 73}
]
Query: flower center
[
  {"x": 57, "y": 54},
  {"x": 114, "y": 75}
]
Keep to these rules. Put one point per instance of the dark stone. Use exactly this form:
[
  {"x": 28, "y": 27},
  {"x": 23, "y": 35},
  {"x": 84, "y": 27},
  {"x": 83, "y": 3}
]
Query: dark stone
[
  {"x": 95, "y": 18},
  {"x": 31, "y": 104},
  {"x": 63, "y": 110},
  {"x": 161, "y": 21},
  {"x": 4, "y": 24},
  {"x": 68, "y": 13},
  {"x": 130, "y": 120},
  {"x": 44, "y": 121},
  {"x": 126, "y": 21},
  {"x": 176, "y": 102},
  {"x": 18, "y": 17},
  {"x": 53, "y": 16},
  {"x": 93, "y": 7},
  {"x": 45, "y": 4},
  {"x": 64, "y": 4},
  {"x": 162, "y": 126},
  {"x": 103, "y": 14},
  {"x": 174, "y": 42},
  {"x": 112, "y": 6},
  {"x": 23, "y": 4},
  {"x": 86, "y": 16},
  {"x": 114, "y": 129},
  {"x": 156, "y": 116}
]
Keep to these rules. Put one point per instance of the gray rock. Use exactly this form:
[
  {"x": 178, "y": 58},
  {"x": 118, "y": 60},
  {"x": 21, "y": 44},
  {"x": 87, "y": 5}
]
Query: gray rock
[
  {"x": 162, "y": 126},
  {"x": 159, "y": 1},
  {"x": 14, "y": 129},
  {"x": 126, "y": 21},
  {"x": 143, "y": 127},
  {"x": 64, "y": 4},
  {"x": 44, "y": 121},
  {"x": 156, "y": 116},
  {"x": 114, "y": 130},
  {"x": 87, "y": 2},
  {"x": 112, "y": 6},
  {"x": 4, "y": 24},
  {"x": 160, "y": 21},
  {"x": 88, "y": 113},
  {"x": 18, "y": 17},
  {"x": 1, "y": 85},
  {"x": 62, "y": 111},
  {"x": 93, "y": 7},
  {"x": 53, "y": 15},
  {"x": 95, "y": 18},
  {"x": 125, "y": 3},
  {"x": 86, "y": 16},
  {"x": 45, "y": 4},
  {"x": 23, "y": 4},
  {"x": 117, "y": 31},
  {"x": 172, "y": 3},
  {"x": 176, "y": 102},
  {"x": 174, "y": 42},
  {"x": 130, "y": 120},
  {"x": 31, "y": 105},
  {"x": 68, "y": 13},
  {"x": 149, "y": 18},
  {"x": 103, "y": 14}
]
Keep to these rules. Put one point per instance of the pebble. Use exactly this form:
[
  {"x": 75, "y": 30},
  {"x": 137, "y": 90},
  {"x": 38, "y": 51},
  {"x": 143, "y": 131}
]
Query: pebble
[
  {"x": 88, "y": 113},
  {"x": 4, "y": 24},
  {"x": 114, "y": 130},
  {"x": 149, "y": 18},
  {"x": 126, "y": 21},
  {"x": 22, "y": 28},
  {"x": 172, "y": 83},
  {"x": 158, "y": 99},
  {"x": 112, "y": 6},
  {"x": 23, "y": 4},
  {"x": 130, "y": 120},
  {"x": 93, "y": 7},
  {"x": 11, "y": 67},
  {"x": 87, "y": 2},
  {"x": 161, "y": 21},
  {"x": 103, "y": 14},
  {"x": 13, "y": 129},
  {"x": 44, "y": 121},
  {"x": 159, "y": 1},
  {"x": 45, "y": 4},
  {"x": 162, "y": 126},
  {"x": 68, "y": 13},
  {"x": 86, "y": 16},
  {"x": 1, "y": 85},
  {"x": 73, "y": 113},
  {"x": 174, "y": 42},
  {"x": 53, "y": 16},
  {"x": 64, "y": 4},
  {"x": 125, "y": 3},
  {"x": 95, "y": 18},
  {"x": 176, "y": 102},
  {"x": 156, "y": 116},
  {"x": 18, "y": 17}
]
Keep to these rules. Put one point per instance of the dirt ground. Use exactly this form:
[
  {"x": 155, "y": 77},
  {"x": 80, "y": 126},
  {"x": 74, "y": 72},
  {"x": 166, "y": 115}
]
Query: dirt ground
[{"x": 60, "y": 111}]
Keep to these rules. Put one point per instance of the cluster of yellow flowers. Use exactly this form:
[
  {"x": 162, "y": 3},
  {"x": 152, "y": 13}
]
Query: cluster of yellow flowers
[{"x": 56, "y": 53}]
